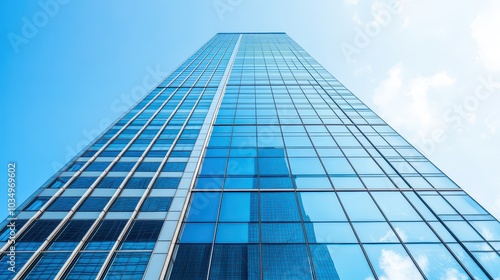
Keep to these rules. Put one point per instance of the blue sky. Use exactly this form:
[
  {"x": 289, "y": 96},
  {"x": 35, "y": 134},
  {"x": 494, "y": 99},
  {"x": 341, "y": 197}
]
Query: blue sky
[{"x": 431, "y": 70}]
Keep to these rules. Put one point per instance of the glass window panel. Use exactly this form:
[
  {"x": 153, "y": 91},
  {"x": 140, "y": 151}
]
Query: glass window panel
[
  {"x": 240, "y": 183},
  {"x": 352, "y": 201},
  {"x": 278, "y": 206},
  {"x": 391, "y": 261},
  {"x": 375, "y": 232},
  {"x": 241, "y": 166},
  {"x": 189, "y": 256},
  {"x": 340, "y": 262},
  {"x": 276, "y": 183},
  {"x": 82, "y": 182},
  {"x": 237, "y": 233},
  {"x": 436, "y": 261},
  {"x": 203, "y": 207},
  {"x": 414, "y": 232},
  {"x": 110, "y": 182},
  {"x": 350, "y": 182},
  {"x": 87, "y": 266},
  {"x": 48, "y": 265},
  {"x": 239, "y": 207},
  {"x": 128, "y": 265},
  {"x": 124, "y": 204},
  {"x": 463, "y": 231},
  {"x": 337, "y": 166},
  {"x": 465, "y": 204},
  {"x": 282, "y": 233},
  {"x": 235, "y": 262},
  {"x": 395, "y": 206},
  {"x": 306, "y": 166},
  {"x": 156, "y": 204},
  {"x": 166, "y": 183},
  {"x": 213, "y": 166},
  {"x": 329, "y": 233},
  {"x": 377, "y": 182},
  {"x": 106, "y": 234},
  {"x": 305, "y": 182},
  {"x": 197, "y": 233},
  {"x": 93, "y": 204},
  {"x": 467, "y": 261},
  {"x": 293, "y": 262},
  {"x": 320, "y": 206},
  {"x": 438, "y": 204},
  {"x": 63, "y": 204},
  {"x": 490, "y": 230},
  {"x": 273, "y": 166},
  {"x": 365, "y": 166}
]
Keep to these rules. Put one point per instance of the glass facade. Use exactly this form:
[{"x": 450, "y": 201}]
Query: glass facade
[{"x": 250, "y": 161}]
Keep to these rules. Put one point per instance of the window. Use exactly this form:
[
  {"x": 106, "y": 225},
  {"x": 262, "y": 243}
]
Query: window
[
  {"x": 293, "y": 262},
  {"x": 174, "y": 167},
  {"x": 110, "y": 182},
  {"x": 124, "y": 204},
  {"x": 189, "y": 256},
  {"x": 138, "y": 183},
  {"x": 128, "y": 265},
  {"x": 203, "y": 207},
  {"x": 142, "y": 235},
  {"x": 320, "y": 207},
  {"x": 235, "y": 261},
  {"x": 63, "y": 204},
  {"x": 105, "y": 235},
  {"x": 71, "y": 235},
  {"x": 148, "y": 167},
  {"x": 87, "y": 266},
  {"x": 82, "y": 182},
  {"x": 278, "y": 206},
  {"x": 37, "y": 203},
  {"x": 156, "y": 204},
  {"x": 166, "y": 183},
  {"x": 48, "y": 266},
  {"x": 59, "y": 182},
  {"x": 94, "y": 204},
  {"x": 123, "y": 166},
  {"x": 97, "y": 166},
  {"x": 36, "y": 235}
]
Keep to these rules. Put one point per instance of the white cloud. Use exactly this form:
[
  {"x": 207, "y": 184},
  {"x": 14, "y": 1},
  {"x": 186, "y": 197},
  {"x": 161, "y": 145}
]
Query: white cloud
[
  {"x": 484, "y": 30},
  {"x": 351, "y": 2},
  {"x": 407, "y": 102},
  {"x": 454, "y": 274},
  {"x": 396, "y": 267},
  {"x": 388, "y": 237}
]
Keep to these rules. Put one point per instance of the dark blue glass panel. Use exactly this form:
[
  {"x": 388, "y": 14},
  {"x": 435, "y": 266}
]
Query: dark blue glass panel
[
  {"x": 166, "y": 183},
  {"x": 94, "y": 204},
  {"x": 156, "y": 204},
  {"x": 189, "y": 256},
  {"x": 148, "y": 167},
  {"x": 174, "y": 167},
  {"x": 142, "y": 235},
  {"x": 138, "y": 183},
  {"x": 63, "y": 204},
  {"x": 37, "y": 203},
  {"x": 235, "y": 262},
  {"x": 97, "y": 166},
  {"x": 110, "y": 182},
  {"x": 124, "y": 204},
  {"x": 48, "y": 266},
  {"x": 128, "y": 265},
  {"x": 285, "y": 262},
  {"x": 82, "y": 182},
  {"x": 278, "y": 206},
  {"x": 123, "y": 166},
  {"x": 105, "y": 235},
  {"x": 87, "y": 266}
]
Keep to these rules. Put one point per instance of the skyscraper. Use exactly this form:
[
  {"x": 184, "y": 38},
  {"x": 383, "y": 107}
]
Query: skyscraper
[{"x": 250, "y": 161}]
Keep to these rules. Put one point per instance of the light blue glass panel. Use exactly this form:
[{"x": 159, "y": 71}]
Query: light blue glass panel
[
  {"x": 303, "y": 182},
  {"x": 436, "y": 261},
  {"x": 463, "y": 231},
  {"x": 240, "y": 183},
  {"x": 375, "y": 232},
  {"x": 320, "y": 207},
  {"x": 352, "y": 202},
  {"x": 329, "y": 233},
  {"x": 204, "y": 207},
  {"x": 197, "y": 233},
  {"x": 465, "y": 204},
  {"x": 237, "y": 233},
  {"x": 351, "y": 182},
  {"x": 293, "y": 262},
  {"x": 395, "y": 206},
  {"x": 340, "y": 262},
  {"x": 241, "y": 166},
  {"x": 467, "y": 261},
  {"x": 306, "y": 166},
  {"x": 391, "y": 261},
  {"x": 337, "y": 166},
  {"x": 365, "y": 166},
  {"x": 490, "y": 230},
  {"x": 239, "y": 207},
  {"x": 414, "y": 232}
]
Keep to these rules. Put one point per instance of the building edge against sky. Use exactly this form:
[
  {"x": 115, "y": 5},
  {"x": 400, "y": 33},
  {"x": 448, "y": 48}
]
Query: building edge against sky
[{"x": 250, "y": 152}]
